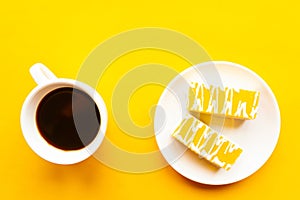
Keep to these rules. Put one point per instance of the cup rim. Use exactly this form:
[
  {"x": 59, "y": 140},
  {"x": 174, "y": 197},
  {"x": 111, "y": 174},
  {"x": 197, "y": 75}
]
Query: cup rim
[{"x": 39, "y": 145}]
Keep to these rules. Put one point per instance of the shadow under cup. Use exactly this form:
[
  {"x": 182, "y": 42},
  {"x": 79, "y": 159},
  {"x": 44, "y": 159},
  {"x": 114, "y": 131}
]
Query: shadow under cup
[{"x": 64, "y": 122}]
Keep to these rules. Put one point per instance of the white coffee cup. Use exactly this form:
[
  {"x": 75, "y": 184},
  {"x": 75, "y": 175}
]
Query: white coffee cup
[{"x": 48, "y": 82}]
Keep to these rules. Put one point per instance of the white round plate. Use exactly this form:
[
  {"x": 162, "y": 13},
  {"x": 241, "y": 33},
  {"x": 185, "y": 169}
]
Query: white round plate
[{"x": 257, "y": 137}]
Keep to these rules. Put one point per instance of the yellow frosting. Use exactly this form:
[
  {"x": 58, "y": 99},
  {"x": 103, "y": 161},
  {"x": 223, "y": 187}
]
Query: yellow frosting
[
  {"x": 207, "y": 143},
  {"x": 229, "y": 102}
]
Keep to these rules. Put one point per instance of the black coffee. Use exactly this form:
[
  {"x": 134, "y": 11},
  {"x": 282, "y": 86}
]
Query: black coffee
[{"x": 68, "y": 118}]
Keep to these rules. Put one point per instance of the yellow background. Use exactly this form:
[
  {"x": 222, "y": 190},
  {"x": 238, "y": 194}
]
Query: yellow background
[{"x": 262, "y": 35}]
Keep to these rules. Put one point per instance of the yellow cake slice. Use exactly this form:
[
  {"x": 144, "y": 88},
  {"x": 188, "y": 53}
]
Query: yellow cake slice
[
  {"x": 207, "y": 143},
  {"x": 228, "y": 102}
]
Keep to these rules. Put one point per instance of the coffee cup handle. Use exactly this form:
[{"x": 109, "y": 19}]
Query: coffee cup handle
[{"x": 41, "y": 74}]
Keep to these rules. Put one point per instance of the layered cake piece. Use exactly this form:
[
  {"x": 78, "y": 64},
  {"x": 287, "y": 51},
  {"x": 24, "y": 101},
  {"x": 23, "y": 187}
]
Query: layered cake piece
[
  {"x": 207, "y": 143},
  {"x": 228, "y": 102}
]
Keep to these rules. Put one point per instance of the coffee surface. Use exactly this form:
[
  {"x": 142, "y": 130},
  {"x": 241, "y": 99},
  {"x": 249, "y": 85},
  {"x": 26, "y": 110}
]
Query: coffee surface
[{"x": 68, "y": 118}]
